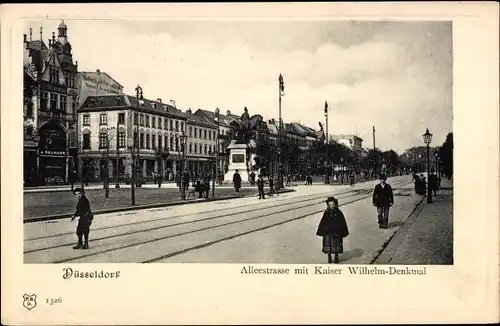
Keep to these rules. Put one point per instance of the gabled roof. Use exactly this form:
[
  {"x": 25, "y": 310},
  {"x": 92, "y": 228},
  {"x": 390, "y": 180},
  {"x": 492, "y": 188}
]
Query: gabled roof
[
  {"x": 156, "y": 106},
  {"x": 223, "y": 119}
]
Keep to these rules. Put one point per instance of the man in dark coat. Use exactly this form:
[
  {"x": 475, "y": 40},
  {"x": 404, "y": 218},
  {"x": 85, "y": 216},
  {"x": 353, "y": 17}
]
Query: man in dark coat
[
  {"x": 237, "y": 181},
  {"x": 185, "y": 180},
  {"x": 333, "y": 229},
  {"x": 433, "y": 183},
  {"x": 383, "y": 199},
  {"x": 260, "y": 185},
  {"x": 84, "y": 212}
]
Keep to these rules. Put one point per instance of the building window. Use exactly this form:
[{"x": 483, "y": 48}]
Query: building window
[
  {"x": 29, "y": 131},
  {"x": 177, "y": 144},
  {"x": 171, "y": 124},
  {"x": 135, "y": 139},
  {"x": 153, "y": 142},
  {"x": 141, "y": 121},
  {"x": 182, "y": 125},
  {"x": 160, "y": 142},
  {"x": 103, "y": 119},
  {"x": 205, "y": 134},
  {"x": 136, "y": 116},
  {"x": 63, "y": 102},
  {"x": 29, "y": 109},
  {"x": 141, "y": 140},
  {"x": 121, "y": 118},
  {"x": 147, "y": 142},
  {"x": 44, "y": 99},
  {"x": 153, "y": 123},
  {"x": 171, "y": 143},
  {"x": 210, "y": 135},
  {"x": 190, "y": 148},
  {"x": 190, "y": 132},
  {"x": 53, "y": 102},
  {"x": 195, "y": 148},
  {"x": 147, "y": 121},
  {"x": 86, "y": 120},
  {"x": 86, "y": 141},
  {"x": 54, "y": 75},
  {"x": 121, "y": 139},
  {"x": 195, "y": 132},
  {"x": 177, "y": 125},
  {"x": 165, "y": 122},
  {"x": 103, "y": 140},
  {"x": 205, "y": 149}
]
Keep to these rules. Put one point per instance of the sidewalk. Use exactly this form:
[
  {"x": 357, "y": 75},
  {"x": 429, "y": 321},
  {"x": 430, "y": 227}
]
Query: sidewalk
[{"x": 427, "y": 237}]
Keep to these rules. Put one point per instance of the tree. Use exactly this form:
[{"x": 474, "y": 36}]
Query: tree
[{"x": 446, "y": 155}]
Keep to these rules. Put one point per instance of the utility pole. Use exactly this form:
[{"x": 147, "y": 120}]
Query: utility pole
[
  {"x": 327, "y": 158},
  {"x": 281, "y": 91},
  {"x": 373, "y": 137},
  {"x": 117, "y": 185}
]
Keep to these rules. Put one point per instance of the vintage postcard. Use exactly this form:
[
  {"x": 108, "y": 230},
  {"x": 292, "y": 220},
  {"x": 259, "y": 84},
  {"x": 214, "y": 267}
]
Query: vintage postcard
[{"x": 238, "y": 163}]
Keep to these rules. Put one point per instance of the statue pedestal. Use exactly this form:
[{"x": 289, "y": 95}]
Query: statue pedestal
[{"x": 237, "y": 161}]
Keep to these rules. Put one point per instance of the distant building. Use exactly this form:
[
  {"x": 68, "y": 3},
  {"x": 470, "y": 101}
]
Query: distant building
[{"x": 352, "y": 141}]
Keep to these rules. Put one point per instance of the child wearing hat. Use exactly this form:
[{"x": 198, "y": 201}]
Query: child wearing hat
[
  {"x": 85, "y": 220},
  {"x": 333, "y": 229}
]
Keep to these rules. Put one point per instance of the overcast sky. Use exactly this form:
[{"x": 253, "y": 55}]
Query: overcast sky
[{"x": 396, "y": 76}]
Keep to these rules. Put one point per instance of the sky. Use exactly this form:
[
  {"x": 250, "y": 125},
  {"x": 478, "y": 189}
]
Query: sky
[{"x": 396, "y": 76}]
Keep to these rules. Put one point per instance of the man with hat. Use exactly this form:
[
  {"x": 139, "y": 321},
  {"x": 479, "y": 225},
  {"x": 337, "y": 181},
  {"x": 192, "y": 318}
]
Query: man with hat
[
  {"x": 383, "y": 199},
  {"x": 84, "y": 212}
]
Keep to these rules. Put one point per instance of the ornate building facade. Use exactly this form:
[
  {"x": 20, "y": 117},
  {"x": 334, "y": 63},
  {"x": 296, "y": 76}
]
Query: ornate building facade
[{"x": 49, "y": 109}]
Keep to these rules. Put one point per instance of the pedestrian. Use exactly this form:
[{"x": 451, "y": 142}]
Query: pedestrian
[
  {"x": 252, "y": 179},
  {"x": 383, "y": 199},
  {"x": 237, "y": 181},
  {"x": 433, "y": 183},
  {"x": 271, "y": 186},
  {"x": 260, "y": 185},
  {"x": 351, "y": 179},
  {"x": 333, "y": 229},
  {"x": 185, "y": 180},
  {"x": 85, "y": 213}
]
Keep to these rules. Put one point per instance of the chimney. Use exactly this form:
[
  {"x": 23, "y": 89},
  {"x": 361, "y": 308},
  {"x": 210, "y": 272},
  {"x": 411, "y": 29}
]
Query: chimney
[
  {"x": 76, "y": 64},
  {"x": 31, "y": 33},
  {"x": 41, "y": 33},
  {"x": 188, "y": 111},
  {"x": 159, "y": 100},
  {"x": 25, "y": 36},
  {"x": 228, "y": 112},
  {"x": 53, "y": 38}
]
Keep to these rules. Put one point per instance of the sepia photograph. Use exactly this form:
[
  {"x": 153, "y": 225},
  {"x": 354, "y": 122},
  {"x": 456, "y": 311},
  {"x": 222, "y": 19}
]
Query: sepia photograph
[
  {"x": 238, "y": 142},
  {"x": 232, "y": 163}
]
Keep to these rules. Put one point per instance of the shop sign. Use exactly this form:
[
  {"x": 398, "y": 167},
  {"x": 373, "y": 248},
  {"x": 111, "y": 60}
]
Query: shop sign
[{"x": 56, "y": 153}]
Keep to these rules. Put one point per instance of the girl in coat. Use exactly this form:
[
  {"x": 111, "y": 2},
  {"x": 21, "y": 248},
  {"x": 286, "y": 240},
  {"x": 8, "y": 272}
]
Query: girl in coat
[{"x": 333, "y": 229}]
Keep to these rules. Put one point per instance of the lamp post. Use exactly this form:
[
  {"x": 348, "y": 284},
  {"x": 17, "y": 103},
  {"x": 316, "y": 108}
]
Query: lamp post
[
  {"x": 140, "y": 101},
  {"x": 436, "y": 161},
  {"x": 131, "y": 145},
  {"x": 281, "y": 92},
  {"x": 213, "y": 157},
  {"x": 117, "y": 185},
  {"x": 183, "y": 139},
  {"x": 327, "y": 172},
  {"x": 216, "y": 168},
  {"x": 427, "y": 140}
]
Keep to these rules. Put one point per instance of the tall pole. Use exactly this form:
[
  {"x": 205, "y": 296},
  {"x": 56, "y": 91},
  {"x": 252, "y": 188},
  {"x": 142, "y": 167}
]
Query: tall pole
[
  {"x": 327, "y": 158},
  {"x": 117, "y": 185},
  {"x": 373, "y": 137},
  {"x": 106, "y": 171},
  {"x": 281, "y": 89},
  {"x": 132, "y": 188},
  {"x": 139, "y": 96}
]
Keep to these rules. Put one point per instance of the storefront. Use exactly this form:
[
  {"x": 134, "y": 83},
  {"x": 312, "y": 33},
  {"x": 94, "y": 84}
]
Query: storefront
[{"x": 52, "y": 154}]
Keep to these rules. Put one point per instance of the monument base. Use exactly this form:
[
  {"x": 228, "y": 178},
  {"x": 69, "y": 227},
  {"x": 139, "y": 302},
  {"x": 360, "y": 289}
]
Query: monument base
[
  {"x": 237, "y": 161},
  {"x": 228, "y": 177}
]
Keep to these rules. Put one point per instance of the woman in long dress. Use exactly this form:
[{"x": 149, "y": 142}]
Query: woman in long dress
[{"x": 333, "y": 229}]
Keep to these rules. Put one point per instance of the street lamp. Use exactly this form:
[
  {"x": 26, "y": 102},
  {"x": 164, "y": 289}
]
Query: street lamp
[
  {"x": 140, "y": 102},
  {"x": 281, "y": 91},
  {"x": 216, "y": 169},
  {"x": 213, "y": 158},
  {"x": 327, "y": 171},
  {"x": 106, "y": 171},
  {"x": 131, "y": 144},
  {"x": 427, "y": 140},
  {"x": 183, "y": 139}
]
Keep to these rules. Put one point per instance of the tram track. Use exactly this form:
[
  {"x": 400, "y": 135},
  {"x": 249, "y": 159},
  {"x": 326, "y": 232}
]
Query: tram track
[
  {"x": 313, "y": 196},
  {"x": 362, "y": 197}
]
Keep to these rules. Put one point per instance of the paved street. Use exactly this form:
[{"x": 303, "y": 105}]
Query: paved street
[
  {"x": 38, "y": 204},
  {"x": 275, "y": 230}
]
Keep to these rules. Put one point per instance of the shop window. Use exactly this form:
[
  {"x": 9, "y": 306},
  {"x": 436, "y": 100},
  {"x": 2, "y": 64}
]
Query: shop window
[{"x": 121, "y": 139}]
